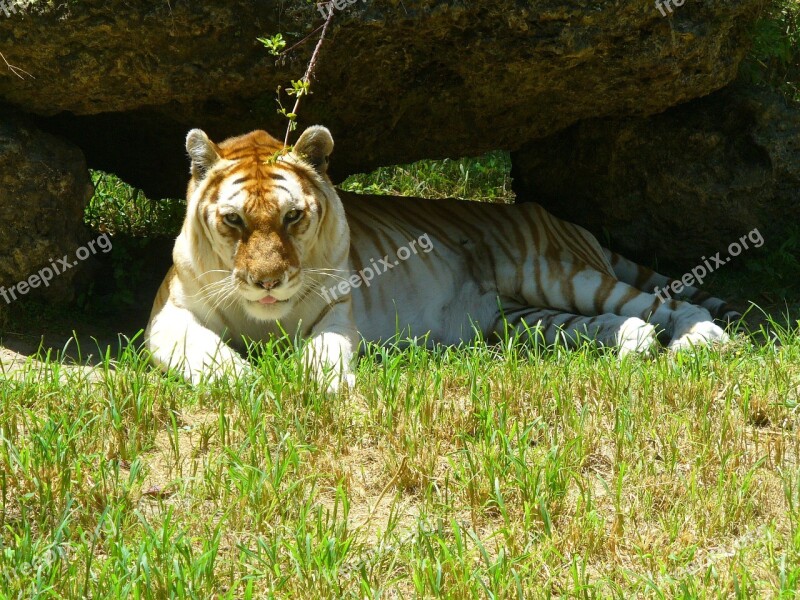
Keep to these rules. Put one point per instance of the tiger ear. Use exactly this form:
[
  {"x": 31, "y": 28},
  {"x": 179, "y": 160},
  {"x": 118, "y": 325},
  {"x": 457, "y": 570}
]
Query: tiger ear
[
  {"x": 202, "y": 151},
  {"x": 315, "y": 147}
]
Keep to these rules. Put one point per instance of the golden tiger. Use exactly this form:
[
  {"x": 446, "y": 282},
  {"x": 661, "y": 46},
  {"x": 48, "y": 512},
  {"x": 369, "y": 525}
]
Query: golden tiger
[{"x": 269, "y": 245}]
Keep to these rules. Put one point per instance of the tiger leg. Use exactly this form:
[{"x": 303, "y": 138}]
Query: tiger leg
[
  {"x": 548, "y": 326},
  {"x": 589, "y": 293},
  {"x": 178, "y": 341},
  {"x": 650, "y": 281}
]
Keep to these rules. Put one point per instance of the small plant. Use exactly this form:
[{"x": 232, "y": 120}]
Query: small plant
[
  {"x": 276, "y": 45},
  {"x": 299, "y": 88}
]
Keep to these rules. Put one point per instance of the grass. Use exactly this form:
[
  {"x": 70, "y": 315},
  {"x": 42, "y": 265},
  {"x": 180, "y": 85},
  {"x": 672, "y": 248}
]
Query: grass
[
  {"x": 460, "y": 473},
  {"x": 119, "y": 209},
  {"x": 774, "y": 59},
  {"x": 484, "y": 179}
]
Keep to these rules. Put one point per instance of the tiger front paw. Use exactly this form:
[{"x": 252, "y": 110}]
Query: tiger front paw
[
  {"x": 704, "y": 333},
  {"x": 636, "y": 337},
  {"x": 233, "y": 366},
  {"x": 328, "y": 359}
]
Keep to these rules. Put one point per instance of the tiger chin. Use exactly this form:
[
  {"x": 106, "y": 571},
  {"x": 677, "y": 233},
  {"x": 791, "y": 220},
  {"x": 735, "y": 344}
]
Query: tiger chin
[{"x": 268, "y": 240}]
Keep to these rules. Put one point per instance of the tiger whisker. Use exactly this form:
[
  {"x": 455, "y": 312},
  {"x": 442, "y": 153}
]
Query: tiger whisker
[
  {"x": 210, "y": 289},
  {"x": 226, "y": 295},
  {"x": 320, "y": 269},
  {"x": 332, "y": 276}
]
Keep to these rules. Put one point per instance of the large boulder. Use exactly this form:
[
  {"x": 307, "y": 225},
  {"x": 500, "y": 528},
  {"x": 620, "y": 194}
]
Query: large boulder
[
  {"x": 396, "y": 81},
  {"x": 678, "y": 186},
  {"x": 44, "y": 187}
]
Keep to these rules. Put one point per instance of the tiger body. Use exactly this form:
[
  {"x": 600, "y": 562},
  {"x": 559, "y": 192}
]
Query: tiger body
[
  {"x": 460, "y": 287},
  {"x": 270, "y": 246}
]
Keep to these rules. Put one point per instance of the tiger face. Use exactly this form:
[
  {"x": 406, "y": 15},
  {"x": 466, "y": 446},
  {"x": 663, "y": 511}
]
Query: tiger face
[
  {"x": 264, "y": 226},
  {"x": 262, "y": 211}
]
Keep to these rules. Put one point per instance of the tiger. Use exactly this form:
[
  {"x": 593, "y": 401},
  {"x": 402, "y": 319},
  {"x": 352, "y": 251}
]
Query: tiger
[{"x": 269, "y": 246}]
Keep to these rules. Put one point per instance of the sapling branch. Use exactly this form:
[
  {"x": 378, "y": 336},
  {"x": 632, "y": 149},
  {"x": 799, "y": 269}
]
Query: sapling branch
[
  {"x": 303, "y": 41},
  {"x": 304, "y": 89}
]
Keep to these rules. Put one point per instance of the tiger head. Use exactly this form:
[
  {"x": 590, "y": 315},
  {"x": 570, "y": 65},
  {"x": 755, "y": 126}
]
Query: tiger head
[{"x": 261, "y": 220}]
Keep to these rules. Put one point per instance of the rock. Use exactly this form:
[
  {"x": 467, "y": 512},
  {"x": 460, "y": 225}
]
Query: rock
[
  {"x": 396, "y": 81},
  {"x": 678, "y": 186},
  {"x": 44, "y": 187}
]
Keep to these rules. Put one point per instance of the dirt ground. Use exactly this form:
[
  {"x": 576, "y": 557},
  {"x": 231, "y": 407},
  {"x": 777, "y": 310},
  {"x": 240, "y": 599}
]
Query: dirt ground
[{"x": 25, "y": 336}]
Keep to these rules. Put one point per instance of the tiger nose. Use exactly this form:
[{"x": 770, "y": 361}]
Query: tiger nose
[{"x": 269, "y": 284}]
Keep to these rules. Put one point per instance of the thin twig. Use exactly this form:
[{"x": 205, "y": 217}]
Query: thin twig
[
  {"x": 15, "y": 70},
  {"x": 307, "y": 77},
  {"x": 303, "y": 41}
]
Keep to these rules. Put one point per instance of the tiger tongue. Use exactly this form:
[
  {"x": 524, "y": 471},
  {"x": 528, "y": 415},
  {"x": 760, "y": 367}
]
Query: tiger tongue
[{"x": 268, "y": 300}]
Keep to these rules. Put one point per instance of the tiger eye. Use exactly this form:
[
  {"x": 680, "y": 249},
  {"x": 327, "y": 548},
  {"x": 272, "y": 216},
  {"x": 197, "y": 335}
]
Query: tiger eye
[
  {"x": 293, "y": 216},
  {"x": 233, "y": 220}
]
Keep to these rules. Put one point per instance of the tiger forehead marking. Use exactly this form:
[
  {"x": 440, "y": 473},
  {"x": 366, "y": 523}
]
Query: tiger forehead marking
[
  {"x": 249, "y": 145},
  {"x": 257, "y": 168}
]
